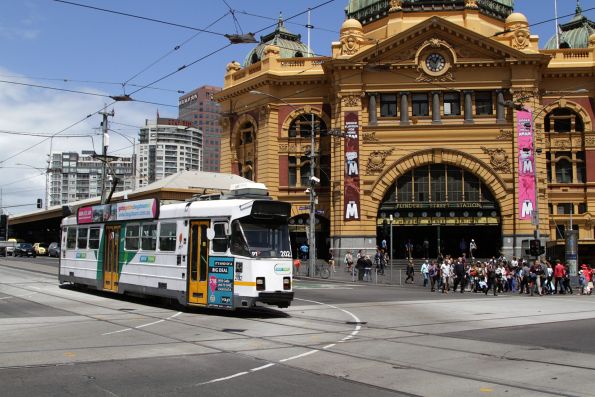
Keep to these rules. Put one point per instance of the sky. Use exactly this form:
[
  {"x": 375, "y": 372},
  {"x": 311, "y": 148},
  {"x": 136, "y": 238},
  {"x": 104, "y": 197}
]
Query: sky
[{"x": 100, "y": 54}]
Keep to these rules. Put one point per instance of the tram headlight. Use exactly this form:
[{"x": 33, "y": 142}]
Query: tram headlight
[
  {"x": 286, "y": 282},
  {"x": 260, "y": 284}
]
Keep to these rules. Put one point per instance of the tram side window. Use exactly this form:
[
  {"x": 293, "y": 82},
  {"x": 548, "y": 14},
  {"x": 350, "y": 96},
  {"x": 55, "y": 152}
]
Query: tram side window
[
  {"x": 238, "y": 243},
  {"x": 148, "y": 237},
  {"x": 71, "y": 238},
  {"x": 94, "y": 238},
  {"x": 219, "y": 242},
  {"x": 167, "y": 237},
  {"x": 132, "y": 237},
  {"x": 82, "y": 238}
]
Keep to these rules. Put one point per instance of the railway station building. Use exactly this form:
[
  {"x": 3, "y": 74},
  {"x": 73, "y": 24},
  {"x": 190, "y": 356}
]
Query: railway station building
[{"x": 433, "y": 120}]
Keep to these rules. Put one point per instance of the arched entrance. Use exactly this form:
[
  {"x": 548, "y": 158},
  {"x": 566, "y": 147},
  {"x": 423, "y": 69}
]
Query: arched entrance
[
  {"x": 298, "y": 227},
  {"x": 440, "y": 208}
]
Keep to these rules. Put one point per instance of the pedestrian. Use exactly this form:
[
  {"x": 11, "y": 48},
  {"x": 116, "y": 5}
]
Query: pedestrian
[
  {"x": 445, "y": 272},
  {"x": 409, "y": 248},
  {"x": 383, "y": 244},
  {"x": 331, "y": 260},
  {"x": 567, "y": 286},
  {"x": 491, "y": 278},
  {"x": 410, "y": 272},
  {"x": 304, "y": 251},
  {"x": 558, "y": 276},
  {"x": 426, "y": 246},
  {"x": 433, "y": 274},
  {"x": 463, "y": 245},
  {"x": 472, "y": 249},
  {"x": 348, "y": 261},
  {"x": 425, "y": 267},
  {"x": 459, "y": 276}
]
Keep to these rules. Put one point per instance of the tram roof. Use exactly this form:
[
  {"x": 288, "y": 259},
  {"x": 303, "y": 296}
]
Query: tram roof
[{"x": 180, "y": 186}]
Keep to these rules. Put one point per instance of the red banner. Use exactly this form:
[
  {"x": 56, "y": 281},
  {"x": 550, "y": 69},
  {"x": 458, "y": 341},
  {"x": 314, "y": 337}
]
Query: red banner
[{"x": 352, "y": 192}]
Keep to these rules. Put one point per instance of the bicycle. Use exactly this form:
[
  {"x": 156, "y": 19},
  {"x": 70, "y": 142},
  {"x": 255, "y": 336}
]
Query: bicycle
[{"x": 322, "y": 270}]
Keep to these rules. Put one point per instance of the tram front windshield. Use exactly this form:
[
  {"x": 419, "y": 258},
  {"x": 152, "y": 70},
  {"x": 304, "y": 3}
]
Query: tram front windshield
[{"x": 260, "y": 238}]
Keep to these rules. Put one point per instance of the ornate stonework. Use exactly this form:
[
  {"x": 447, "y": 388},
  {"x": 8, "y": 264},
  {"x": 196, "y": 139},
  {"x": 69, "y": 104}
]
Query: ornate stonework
[
  {"x": 521, "y": 38},
  {"x": 352, "y": 100},
  {"x": 377, "y": 160},
  {"x": 424, "y": 78},
  {"x": 590, "y": 140},
  {"x": 564, "y": 144},
  {"x": 498, "y": 159},
  {"x": 370, "y": 137},
  {"x": 471, "y": 4},
  {"x": 505, "y": 135},
  {"x": 396, "y": 5}
]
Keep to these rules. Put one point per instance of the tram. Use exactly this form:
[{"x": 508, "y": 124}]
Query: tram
[{"x": 224, "y": 251}]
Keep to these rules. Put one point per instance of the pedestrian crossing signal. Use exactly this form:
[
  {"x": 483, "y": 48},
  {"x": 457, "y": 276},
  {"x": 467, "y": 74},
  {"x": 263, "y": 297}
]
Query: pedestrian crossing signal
[{"x": 535, "y": 248}]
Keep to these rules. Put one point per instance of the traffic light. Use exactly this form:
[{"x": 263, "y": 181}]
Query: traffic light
[
  {"x": 39, "y": 203},
  {"x": 535, "y": 248}
]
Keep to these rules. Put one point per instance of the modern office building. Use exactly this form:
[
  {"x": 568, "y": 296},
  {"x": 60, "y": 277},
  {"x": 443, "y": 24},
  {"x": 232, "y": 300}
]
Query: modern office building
[
  {"x": 74, "y": 176},
  {"x": 199, "y": 108},
  {"x": 167, "y": 146},
  {"x": 449, "y": 124}
]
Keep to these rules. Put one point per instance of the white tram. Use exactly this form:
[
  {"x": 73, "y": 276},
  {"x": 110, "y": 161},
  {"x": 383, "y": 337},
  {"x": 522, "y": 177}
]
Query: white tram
[{"x": 225, "y": 251}]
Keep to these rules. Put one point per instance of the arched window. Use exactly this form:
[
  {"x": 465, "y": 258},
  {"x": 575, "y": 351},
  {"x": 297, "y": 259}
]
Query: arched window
[
  {"x": 254, "y": 59},
  {"x": 563, "y": 171},
  {"x": 563, "y": 120},
  {"x": 299, "y": 54},
  {"x": 301, "y": 126}
]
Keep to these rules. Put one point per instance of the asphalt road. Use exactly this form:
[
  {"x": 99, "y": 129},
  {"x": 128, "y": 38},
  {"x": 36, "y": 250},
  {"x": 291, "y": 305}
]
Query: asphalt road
[{"x": 336, "y": 339}]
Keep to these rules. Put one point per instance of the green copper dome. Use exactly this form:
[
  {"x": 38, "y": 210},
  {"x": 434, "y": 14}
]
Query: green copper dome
[
  {"x": 290, "y": 45},
  {"x": 574, "y": 34},
  {"x": 367, "y": 11}
]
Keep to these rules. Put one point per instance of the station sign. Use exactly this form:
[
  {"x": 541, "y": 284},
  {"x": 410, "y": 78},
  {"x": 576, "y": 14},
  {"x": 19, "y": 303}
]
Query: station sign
[{"x": 119, "y": 212}]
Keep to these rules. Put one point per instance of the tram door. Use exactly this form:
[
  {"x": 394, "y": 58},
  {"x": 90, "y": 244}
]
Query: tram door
[
  {"x": 198, "y": 262},
  {"x": 111, "y": 258}
]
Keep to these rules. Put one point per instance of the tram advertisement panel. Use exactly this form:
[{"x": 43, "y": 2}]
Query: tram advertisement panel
[
  {"x": 124, "y": 211},
  {"x": 351, "y": 196},
  {"x": 526, "y": 165},
  {"x": 220, "y": 293}
]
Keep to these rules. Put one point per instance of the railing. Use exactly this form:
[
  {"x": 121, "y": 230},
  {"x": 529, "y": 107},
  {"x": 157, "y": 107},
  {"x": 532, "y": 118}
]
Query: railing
[{"x": 566, "y": 54}]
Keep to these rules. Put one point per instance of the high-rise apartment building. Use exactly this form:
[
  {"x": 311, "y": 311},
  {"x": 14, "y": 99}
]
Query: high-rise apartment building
[
  {"x": 75, "y": 176},
  {"x": 167, "y": 146},
  {"x": 199, "y": 108}
]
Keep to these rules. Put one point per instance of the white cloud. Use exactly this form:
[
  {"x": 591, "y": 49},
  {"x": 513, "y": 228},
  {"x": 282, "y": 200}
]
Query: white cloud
[{"x": 27, "y": 109}]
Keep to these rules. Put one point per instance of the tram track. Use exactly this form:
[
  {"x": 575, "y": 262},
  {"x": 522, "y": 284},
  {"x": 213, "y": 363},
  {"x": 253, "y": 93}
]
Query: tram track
[{"x": 347, "y": 355}]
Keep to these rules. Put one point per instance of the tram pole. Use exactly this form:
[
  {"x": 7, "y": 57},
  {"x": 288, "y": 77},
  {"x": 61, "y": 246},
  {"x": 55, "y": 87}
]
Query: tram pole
[{"x": 104, "y": 145}]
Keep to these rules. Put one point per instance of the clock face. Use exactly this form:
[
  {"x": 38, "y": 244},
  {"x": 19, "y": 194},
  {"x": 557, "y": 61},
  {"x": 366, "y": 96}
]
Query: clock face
[{"x": 435, "y": 62}]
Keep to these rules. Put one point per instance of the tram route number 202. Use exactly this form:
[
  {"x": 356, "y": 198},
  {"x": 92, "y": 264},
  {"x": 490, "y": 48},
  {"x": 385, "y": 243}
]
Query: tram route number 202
[{"x": 285, "y": 254}]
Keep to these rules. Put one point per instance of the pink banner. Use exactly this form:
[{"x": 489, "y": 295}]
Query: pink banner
[
  {"x": 351, "y": 195},
  {"x": 526, "y": 165}
]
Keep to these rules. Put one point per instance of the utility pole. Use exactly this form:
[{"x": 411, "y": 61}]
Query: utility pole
[
  {"x": 313, "y": 180},
  {"x": 104, "y": 144}
]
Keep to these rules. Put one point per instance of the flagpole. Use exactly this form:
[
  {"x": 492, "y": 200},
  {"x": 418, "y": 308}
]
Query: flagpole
[{"x": 557, "y": 31}]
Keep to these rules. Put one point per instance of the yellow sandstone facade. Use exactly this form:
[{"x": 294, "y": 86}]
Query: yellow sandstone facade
[{"x": 416, "y": 118}]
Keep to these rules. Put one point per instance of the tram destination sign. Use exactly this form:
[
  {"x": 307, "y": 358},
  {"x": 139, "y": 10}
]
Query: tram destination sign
[{"x": 119, "y": 212}]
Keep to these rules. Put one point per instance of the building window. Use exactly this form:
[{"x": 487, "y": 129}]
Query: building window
[
  {"x": 563, "y": 171},
  {"x": 564, "y": 208},
  {"x": 454, "y": 183},
  {"x": 580, "y": 167},
  {"x": 483, "y": 103},
  {"x": 405, "y": 188},
  {"x": 421, "y": 184},
  {"x": 548, "y": 158},
  {"x": 292, "y": 171},
  {"x": 302, "y": 126},
  {"x": 582, "y": 208},
  {"x": 563, "y": 120},
  {"x": 438, "y": 184},
  {"x": 420, "y": 105},
  {"x": 452, "y": 104},
  {"x": 388, "y": 105}
]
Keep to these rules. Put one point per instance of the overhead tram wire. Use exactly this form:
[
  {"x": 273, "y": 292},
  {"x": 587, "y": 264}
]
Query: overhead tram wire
[
  {"x": 544, "y": 21},
  {"x": 292, "y": 23},
  {"x": 154, "y": 82}
]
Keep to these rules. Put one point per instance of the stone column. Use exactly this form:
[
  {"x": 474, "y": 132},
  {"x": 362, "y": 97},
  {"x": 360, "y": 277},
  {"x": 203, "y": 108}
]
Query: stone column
[
  {"x": 373, "y": 120},
  {"x": 404, "y": 108},
  {"x": 500, "y": 110},
  {"x": 436, "y": 108},
  {"x": 468, "y": 107}
]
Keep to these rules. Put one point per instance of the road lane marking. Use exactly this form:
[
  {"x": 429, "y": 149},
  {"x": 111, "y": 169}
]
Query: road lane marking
[
  {"x": 18, "y": 296},
  {"x": 142, "y": 325}
]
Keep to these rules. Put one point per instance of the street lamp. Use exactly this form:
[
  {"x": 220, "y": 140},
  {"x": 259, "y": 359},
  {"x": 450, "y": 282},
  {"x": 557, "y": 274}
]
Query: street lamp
[{"x": 313, "y": 181}]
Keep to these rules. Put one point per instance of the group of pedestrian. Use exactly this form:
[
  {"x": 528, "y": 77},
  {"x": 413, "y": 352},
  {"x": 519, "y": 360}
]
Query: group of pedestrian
[
  {"x": 500, "y": 275},
  {"x": 363, "y": 264}
]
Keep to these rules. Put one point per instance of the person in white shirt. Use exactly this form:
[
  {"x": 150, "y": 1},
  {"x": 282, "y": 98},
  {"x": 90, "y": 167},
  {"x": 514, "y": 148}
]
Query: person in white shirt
[
  {"x": 425, "y": 269},
  {"x": 445, "y": 269}
]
